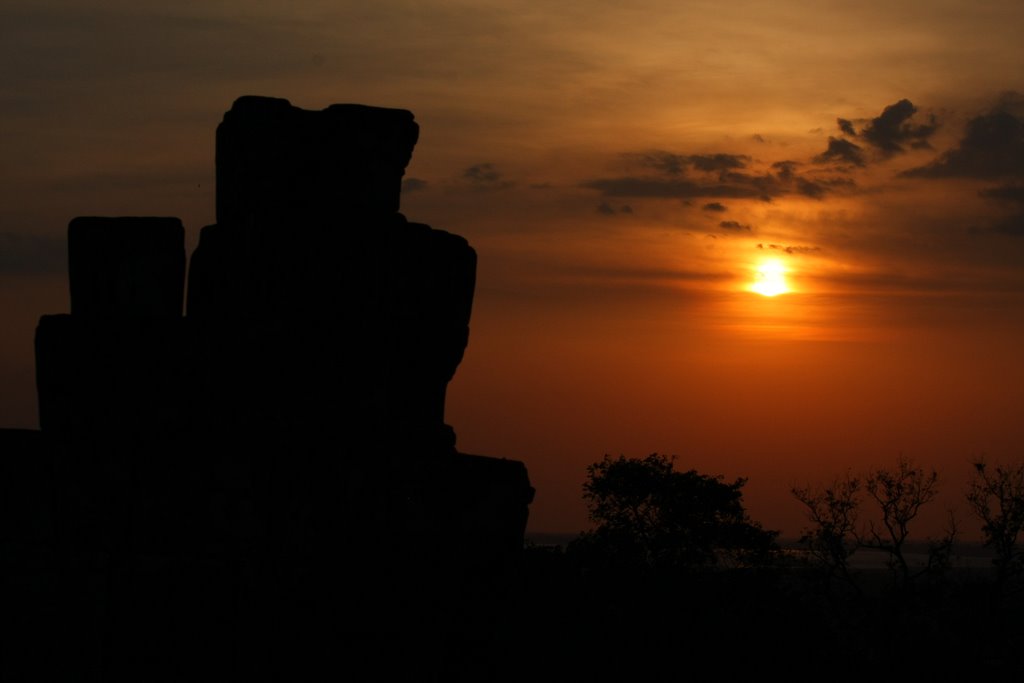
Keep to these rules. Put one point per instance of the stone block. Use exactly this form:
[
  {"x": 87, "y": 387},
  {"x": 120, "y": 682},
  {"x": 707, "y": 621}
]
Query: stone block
[
  {"x": 111, "y": 377},
  {"x": 275, "y": 160},
  {"x": 126, "y": 266}
]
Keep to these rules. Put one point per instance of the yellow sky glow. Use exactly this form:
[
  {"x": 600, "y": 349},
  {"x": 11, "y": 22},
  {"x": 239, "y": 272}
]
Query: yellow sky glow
[{"x": 770, "y": 279}]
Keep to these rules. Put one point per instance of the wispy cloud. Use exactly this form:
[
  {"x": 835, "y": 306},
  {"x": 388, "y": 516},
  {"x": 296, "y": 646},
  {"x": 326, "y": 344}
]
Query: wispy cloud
[
  {"x": 413, "y": 185},
  {"x": 486, "y": 176},
  {"x": 789, "y": 249},
  {"x": 607, "y": 209},
  {"x": 22, "y": 254}
]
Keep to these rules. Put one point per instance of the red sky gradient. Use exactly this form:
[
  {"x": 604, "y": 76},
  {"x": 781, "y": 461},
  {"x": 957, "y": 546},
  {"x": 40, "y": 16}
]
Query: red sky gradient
[{"x": 622, "y": 169}]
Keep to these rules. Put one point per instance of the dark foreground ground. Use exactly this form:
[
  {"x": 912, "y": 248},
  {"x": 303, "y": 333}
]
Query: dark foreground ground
[
  {"x": 601, "y": 625},
  {"x": 70, "y": 612},
  {"x": 552, "y": 620}
]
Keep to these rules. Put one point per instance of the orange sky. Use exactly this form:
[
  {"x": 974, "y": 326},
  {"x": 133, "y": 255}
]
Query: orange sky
[{"x": 621, "y": 169}]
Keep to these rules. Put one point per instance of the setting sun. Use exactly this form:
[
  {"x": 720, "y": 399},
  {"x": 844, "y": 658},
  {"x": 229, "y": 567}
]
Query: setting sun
[{"x": 770, "y": 279}]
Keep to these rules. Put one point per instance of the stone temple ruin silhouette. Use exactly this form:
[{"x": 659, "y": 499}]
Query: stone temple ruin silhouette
[{"x": 267, "y": 482}]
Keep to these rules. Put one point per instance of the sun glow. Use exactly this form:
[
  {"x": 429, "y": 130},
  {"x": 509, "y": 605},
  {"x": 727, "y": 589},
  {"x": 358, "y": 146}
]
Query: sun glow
[{"x": 770, "y": 279}]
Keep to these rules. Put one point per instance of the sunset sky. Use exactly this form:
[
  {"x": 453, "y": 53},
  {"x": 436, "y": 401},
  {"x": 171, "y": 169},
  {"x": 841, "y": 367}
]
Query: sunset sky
[{"x": 623, "y": 169}]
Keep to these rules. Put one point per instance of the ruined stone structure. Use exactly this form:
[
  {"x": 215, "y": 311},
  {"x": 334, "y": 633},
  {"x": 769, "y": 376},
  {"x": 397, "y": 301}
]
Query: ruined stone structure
[{"x": 267, "y": 482}]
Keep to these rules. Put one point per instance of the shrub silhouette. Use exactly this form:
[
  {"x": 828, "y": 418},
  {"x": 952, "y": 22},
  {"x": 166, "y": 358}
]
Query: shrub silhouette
[{"x": 648, "y": 515}]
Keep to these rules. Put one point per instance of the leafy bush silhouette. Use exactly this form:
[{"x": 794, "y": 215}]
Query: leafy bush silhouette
[{"x": 649, "y": 515}]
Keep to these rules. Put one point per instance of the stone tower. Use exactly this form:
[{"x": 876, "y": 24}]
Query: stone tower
[{"x": 277, "y": 453}]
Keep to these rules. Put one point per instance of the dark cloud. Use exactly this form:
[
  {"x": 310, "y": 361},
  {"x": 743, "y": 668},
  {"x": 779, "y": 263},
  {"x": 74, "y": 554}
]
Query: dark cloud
[
  {"x": 785, "y": 169},
  {"x": 767, "y": 184},
  {"x": 809, "y": 188},
  {"x": 673, "y": 164},
  {"x": 1012, "y": 226},
  {"x": 992, "y": 147},
  {"x": 841, "y": 150},
  {"x": 413, "y": 185},
  {"x": 890, "y": 131},
  {"x": 790, "y": 249},
  {"x": 728, "y": 179},
  {"x": 1011, "y": 193},
  {"x": 482, "y": 173},
  {"x": 669, "y": 189},
  {"x": 733, "y": 226},
  {"x": 819, "y": 187},
  {"x": 486, "y": 176},
  {"x": 1014, "y": 195},
  {"x": 718, "y": 162},
  {"x": 22, "y": 254},
  {"x": 714, "y": 206},
  {"x": 609, "y": 210},
  {"x": 659, "y": 160}
]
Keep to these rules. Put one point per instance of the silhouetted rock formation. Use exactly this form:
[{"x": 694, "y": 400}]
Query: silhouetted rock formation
[
  {"x": 279, "y": 162},
  {"x": 268, "y": 481}
]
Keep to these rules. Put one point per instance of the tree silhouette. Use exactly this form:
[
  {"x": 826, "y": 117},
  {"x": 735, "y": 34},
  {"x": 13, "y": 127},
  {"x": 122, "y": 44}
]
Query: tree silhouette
[
  {"x": 648, "y": 515},
  {"x": 896, "y": 497},
  {"x": 996, "y": 496},
  {"x": 900, "y": 494},
  {"x": 831, "y": 537}
]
